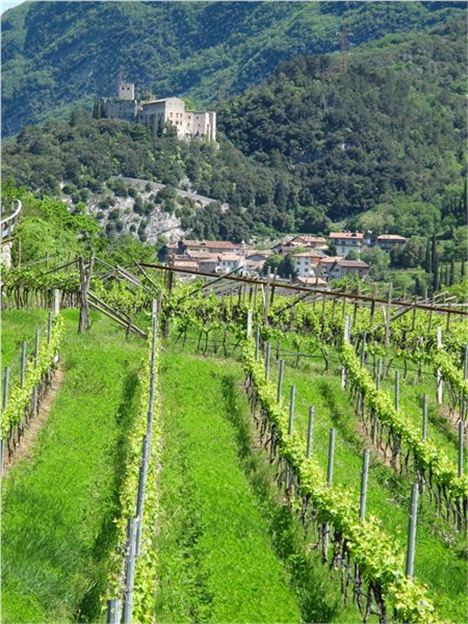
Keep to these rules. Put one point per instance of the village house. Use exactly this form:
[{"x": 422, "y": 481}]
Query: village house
[
  {"x": 387, "y": 242},
  {"x": 346, "y": 241},
  {"x": 310, "y": 281},
  {"x": 305, "y": 263},
  {"x": 342, "y": 268},
  {"x": 325, "y": 264},
  {"x": 289, "y": 243}
]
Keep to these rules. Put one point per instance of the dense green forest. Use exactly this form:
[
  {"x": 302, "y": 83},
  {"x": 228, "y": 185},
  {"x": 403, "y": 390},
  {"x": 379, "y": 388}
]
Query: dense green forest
[
  {"x": 55, "y": 54},
  {"x": 379, "y": 144},
  {"x": 391, "y": 128}
]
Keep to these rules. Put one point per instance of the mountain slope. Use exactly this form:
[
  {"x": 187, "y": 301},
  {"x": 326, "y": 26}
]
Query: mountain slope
[
  {"x": 57, "y": 53},
  {"x": 393, "y": 123}
]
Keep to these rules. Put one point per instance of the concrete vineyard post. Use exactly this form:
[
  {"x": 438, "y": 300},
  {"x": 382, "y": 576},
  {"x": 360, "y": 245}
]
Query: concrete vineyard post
[
  {"x": 413, "y": 519},
  {"x": 424, "y": 419},
  {"x": 279, "y": 390},
  {"x": 331, "y": 455},
  {"x": 23, "y": 363},
  {"x": 292, "y": 401},
  {"x": 249, "y": 323},
  {"x": 461, "y": 435},
  {"x": 36, "y": 347},
  {"x": 130, "y": 569},
  {"x": 387, "y": 315},
  {"x": 6, "y": 383},
  {"x": 114, "y": 608},
  {"x": 310, "y": 430},
  {"x": 49, "y": 328},
  {"x": 56, "y": 301},
  {"x": 364, "y": 480},
  {"x": 267, "y": 361},
  {"x": 346, "y": 339},
  {"x": 397, "y": 390},
  {"x": 439, "y": 372}
]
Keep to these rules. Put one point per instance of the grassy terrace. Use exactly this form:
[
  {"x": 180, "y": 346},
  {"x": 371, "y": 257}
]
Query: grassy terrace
[
  {"x": 440, "y": 566},
  {"x": 19, "y": 325},
  {"x": 229, "y": 548},
  {"x": 58, "y": 508}
]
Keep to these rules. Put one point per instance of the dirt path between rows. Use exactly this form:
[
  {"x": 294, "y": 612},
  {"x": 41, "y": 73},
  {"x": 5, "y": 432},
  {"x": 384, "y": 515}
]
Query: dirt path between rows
[{"x": 24, "y": 450}]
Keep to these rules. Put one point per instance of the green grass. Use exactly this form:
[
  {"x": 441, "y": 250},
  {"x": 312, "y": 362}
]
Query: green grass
[
  {"x": 59, "y": 506},
  {"x": 440, "y": 554},
  {"x": 215, "y": 557},
  {"x": 440, "y": 561},
  {"x": 19, "y": 325}
]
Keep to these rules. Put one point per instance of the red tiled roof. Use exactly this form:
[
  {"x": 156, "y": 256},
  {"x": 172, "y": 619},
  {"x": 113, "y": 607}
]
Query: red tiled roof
[
  {"x": 219, "y": 244},
  {"x": 352, "y": 264}
]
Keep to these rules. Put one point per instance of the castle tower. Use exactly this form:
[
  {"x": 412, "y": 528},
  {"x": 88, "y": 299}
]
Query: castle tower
[{"x": 126, "y": 90}]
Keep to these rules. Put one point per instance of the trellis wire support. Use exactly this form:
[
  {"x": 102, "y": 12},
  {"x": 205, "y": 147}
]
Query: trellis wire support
[
  {"x": 292, "y": 401},
  {"x": 413, "y": 519},
  {"x": 6, "y": 384},
  {"x": 346, "y": 338},
  {"x": 424, "y": 419},
  {"x": 130, "y": 570},
  {"x": 23, "y": 363},
  {"x": 56, "y": 301},
  {"x": 114, "y": 608},
  {"x": 249, "y": 323},
  {"x": 49, "y": 327},
  {"x": 461, "y": 435},
  {"x": 141, "y": 492},
  {"x": 279, "y": 389},
  {"x": 36, "y": 347},
  {"x": 331, "y": 455},
  {"x": 397, "y": 390},
  {"x": 257, "y": 342},
  {"x": 267, "y": 361},
  {"x": 310, "y": 429},
  {"x": 364, "y": 480},
  {"x": 439, "y": 372}
]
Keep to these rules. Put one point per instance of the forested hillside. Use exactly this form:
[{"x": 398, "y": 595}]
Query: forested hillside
[
  {"x": 57, "y": 53},
  {"x": 390, "y": 126},
  {"x": 379, "y": 143}
]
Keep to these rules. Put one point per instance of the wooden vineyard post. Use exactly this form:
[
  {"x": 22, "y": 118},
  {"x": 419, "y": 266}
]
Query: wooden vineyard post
[
  {"x": 6, "y": 383},
  {"x": 364, "y": 480},
  {"x": 439, "y": 372},
  {"x": 272, "y": 297},
  {"x": 310, "y": 431},
  {"x": 170, "y": 286},
  {"x": 413, "y": 519},
  {"x": 266, "y": 300},
  {"x": 372, "y": 310},
  {"x": 113, "y": 611},
  {"x": 346, "y": 339},
  {"x": 379, "y": 373},
  {"x": 279, "y": 388},
  {"x": 85, "y": 281},
  {"x": 363, "y": 352},
  {"x": 461, "y": 435}
]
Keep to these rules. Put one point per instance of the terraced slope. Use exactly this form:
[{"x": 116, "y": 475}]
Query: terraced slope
[{"x": 58, "y": 508}]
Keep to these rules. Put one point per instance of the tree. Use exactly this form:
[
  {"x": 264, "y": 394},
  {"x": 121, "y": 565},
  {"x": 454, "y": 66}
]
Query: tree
[{"x": 379, "y": 262}]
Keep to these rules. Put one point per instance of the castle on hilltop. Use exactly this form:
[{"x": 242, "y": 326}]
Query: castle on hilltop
[{"x": 158, "y": 114}]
